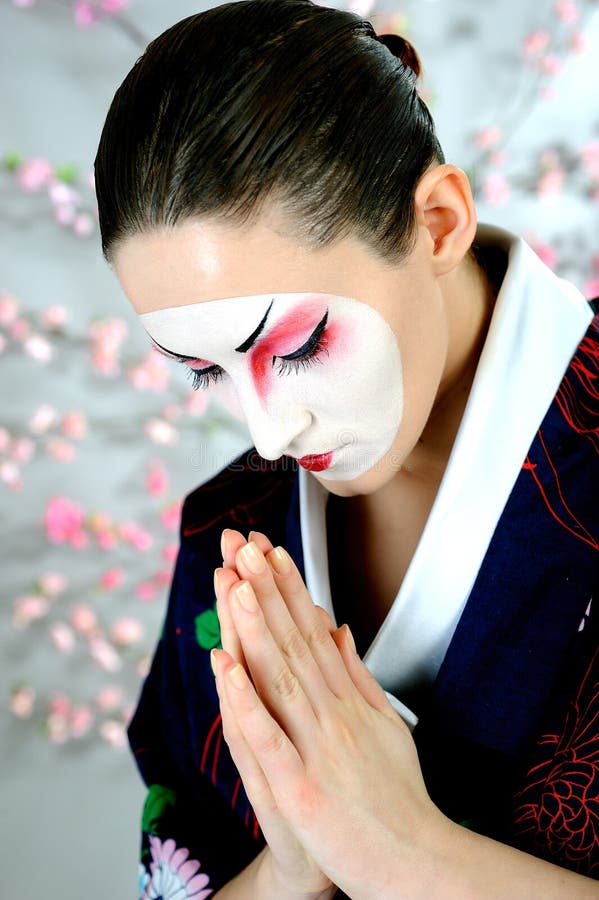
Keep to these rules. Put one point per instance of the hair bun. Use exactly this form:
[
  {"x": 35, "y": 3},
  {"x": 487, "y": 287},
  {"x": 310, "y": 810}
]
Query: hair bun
[{"x": 403, "y": 50}]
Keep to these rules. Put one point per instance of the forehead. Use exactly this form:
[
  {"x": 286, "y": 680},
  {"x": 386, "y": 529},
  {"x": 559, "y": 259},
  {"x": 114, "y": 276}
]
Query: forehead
[{"x": 229, "y": 321}]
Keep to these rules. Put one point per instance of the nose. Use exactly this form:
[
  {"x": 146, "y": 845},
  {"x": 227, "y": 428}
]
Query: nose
[{"x": 274, "y": 430}]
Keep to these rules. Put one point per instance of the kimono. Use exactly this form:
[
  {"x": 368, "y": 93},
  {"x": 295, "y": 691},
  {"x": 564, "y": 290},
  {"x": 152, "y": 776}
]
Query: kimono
[{"x": 507, "y": 724}]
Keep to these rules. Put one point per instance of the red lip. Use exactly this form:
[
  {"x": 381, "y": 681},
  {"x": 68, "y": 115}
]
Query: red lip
[{"x": 316, "y": 462}]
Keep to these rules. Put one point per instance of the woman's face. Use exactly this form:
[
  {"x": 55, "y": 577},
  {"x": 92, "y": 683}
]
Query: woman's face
[{"x": 330, "y": 356}]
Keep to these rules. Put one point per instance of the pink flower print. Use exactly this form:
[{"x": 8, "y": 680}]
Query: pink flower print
[
  {"x": 590, "y": 159},
  {"x": 34, "y": 174},
  {"x": 173, "y": 875}
]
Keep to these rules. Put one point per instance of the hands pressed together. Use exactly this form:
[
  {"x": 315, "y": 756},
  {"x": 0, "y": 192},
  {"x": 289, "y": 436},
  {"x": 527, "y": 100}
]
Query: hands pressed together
[{"x": 330, "y": 768}]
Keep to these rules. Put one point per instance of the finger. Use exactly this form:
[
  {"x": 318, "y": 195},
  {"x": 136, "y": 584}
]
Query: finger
[
  {"x": 279, "y": 687},
  {"x": 253, "y": 778},
  {"x": 326, "y": 619},
  {"x": 263, "y": 542},
  {"x": 223, "y": 579},
  {"x": 273, "y": 750},
  {"x": 361, "y": 676},
  {"x": 230, "y": 542},
  {"x": 309, "y": 619},
  {"x": 300, "y": 650}
]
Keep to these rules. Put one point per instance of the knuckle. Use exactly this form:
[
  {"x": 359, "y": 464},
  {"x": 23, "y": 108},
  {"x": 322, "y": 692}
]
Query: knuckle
[
  {"x": 285, "y": 684},
  {"x": 293, "y": 646},
  {"x": 319, "y": 636},
  {"x": 272, "y": 742}
]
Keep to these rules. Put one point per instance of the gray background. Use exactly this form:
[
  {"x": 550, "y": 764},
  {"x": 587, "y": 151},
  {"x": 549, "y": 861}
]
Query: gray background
[{"x": 69, "y": 811}]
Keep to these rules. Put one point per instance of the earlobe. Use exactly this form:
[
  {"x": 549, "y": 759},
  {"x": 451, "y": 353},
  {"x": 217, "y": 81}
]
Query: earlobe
[{"x": 445, "y": 207}]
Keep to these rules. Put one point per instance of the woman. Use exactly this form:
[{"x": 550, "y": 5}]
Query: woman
[{"x": 421, "y": 395}]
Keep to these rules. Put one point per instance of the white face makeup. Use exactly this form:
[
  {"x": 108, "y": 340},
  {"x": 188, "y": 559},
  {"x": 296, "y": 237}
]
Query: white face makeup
[{"x": 316, "y": 376}]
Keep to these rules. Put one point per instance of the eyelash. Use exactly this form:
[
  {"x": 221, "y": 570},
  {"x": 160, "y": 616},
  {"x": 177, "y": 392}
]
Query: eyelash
[{"x": 203, "y": 380}]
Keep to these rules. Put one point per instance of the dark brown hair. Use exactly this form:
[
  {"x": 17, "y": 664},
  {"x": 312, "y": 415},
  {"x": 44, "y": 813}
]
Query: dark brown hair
[{"x": 280, "y": 100}]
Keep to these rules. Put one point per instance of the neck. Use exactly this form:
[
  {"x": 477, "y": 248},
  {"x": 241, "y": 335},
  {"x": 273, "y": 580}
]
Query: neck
[{"x": 469, "y": 298}]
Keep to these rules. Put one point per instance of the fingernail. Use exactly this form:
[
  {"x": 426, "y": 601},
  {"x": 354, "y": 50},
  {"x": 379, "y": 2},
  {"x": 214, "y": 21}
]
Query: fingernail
[
  {"x": 222, "y": 541},
  {"x": 212, "y": 662},
  {"x": 216, "y": 577},
  {"x": 350, "y": 638},
  {"x": 245, "y": 595},
  {"x": 238, "y": 676},
  {"x": 253, "y": 558},
  {"x": 281, "y": 561}
]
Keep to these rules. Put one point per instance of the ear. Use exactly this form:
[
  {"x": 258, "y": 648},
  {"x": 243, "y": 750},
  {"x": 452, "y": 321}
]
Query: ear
[{"x": 445, "y": 207}]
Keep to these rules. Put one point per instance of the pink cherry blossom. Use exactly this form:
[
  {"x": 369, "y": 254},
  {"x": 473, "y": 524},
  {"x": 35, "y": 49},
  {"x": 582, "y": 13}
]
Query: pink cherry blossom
[
  {"x": 61, "y": 450},
  {"x": 157, "y": 479},
  {"x": 112, "y": 578},
  {"x": 38, "y": 348},
  {"x": 109, "y": 697},
  {"x": 83, "y": 225},
  {"x": 79, "y": 540},
  {"x": 551, "y": 64},
  {"x": 58, "y": 730},
  {"x": 29, "y": 608},
  {"x": 106, "y": 540},
  {"x": 54, "y": 317},
  {"x": 145, "y": 591},
  {"x": 112, "y": 7},
  {"x": 52, "y": 583},
  {"x": 496, "y": 189},
  {"x": 81, "y": 721},
  {"x": 126, "y": 631},
  {"x": 60, "y": 704},
  {"x": 578, "y": 43},
  {"x": 536, "y": 42},
  {"x": 10, "y": 475},
  {"x": 9, "y": 309},
  {"x": 85, "y": 14},
  {"x": 63, "y": 519},
  {"x": 3, "y": 343},
  {"x": 64, "y": 214},
  {"x": 5, "y": 441},
  {"x": 21, "y": 701},
  {"x": 62, "y": 194},
  {"x": 19, "y": 329},
  {"x": 488, "y": 137},
  {"x": 169, "y": 552},
  {"x": 136, "y": 536},
  {"x": 74, "y": 425},
  {"x": 591, "y": 288},
  {"x": 152, "y": 374},
  {"x": 22, "y": 450},
  {"x": 197, "y": 402},
  {"x": 551, "y": 184},
  {"x": 84, "y": 620},
  {"x": 34, "y": 174},
  {"x": 590, "y": 159},
  {"x": 567, "y": 11},
  {"x": 113, "y": 733},
  {"x": 171, "y": 515},
  {"x": 43, "y": 418},
  {"x": 23, "y": 4},
  {"x": 63, "y": 637},
  {"x": 104, "y": 654},
  {"x": 143, "y": 666},
  {"x": 163, "y": 577},
  {"x": 161, "y": 432}
]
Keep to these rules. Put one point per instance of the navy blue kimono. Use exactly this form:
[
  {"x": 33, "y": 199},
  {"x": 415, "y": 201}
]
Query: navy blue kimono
[{"x": 508, "y": 735}]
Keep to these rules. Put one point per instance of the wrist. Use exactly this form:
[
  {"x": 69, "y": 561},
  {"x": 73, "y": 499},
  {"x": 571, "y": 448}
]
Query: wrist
[{"x": 272, "y": 883}]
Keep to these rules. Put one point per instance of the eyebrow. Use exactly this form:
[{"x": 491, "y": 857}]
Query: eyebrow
[{"x": 243, "y": 347}]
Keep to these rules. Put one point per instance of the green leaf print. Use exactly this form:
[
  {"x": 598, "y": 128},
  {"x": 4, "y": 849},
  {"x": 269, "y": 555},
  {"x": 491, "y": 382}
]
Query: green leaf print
[
  {"x": 208, "y": 629},
  {"x": 157, "y": 800}
]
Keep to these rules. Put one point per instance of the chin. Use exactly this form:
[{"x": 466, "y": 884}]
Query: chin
[{"x": 367, "y": 483}]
